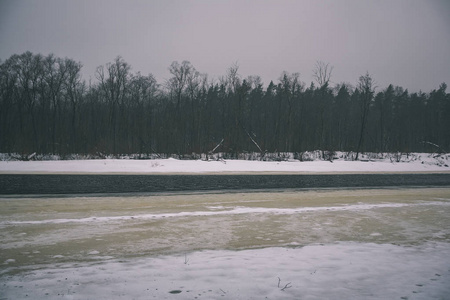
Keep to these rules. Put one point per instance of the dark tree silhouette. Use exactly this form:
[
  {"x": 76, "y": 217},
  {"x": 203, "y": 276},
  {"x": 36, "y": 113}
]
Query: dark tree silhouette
[{"x": 47, "y": 108}]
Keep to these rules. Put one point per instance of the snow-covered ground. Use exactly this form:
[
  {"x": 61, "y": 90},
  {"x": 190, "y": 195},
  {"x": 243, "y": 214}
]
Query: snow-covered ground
[
  {"x": 335, "y": 271},
  {"x": 416, "y": 162},
  {"x": 317, "y": 244}
]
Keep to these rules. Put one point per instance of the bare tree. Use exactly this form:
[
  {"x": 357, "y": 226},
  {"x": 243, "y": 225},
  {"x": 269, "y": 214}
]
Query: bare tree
[
  {"x": 193, "y": 87},
  {"x": 366, "y": 87},
  {"x": 177, "y": 86},
  {"x": 322, "y": 73},
  {"x": 55, "y": 71},
  {"x": 233, "y": 78},
  {"x": 178, "y": 82},
  {"x": 114, "y": 84},
  {"x": 30, "y": 73},
  {"x": 8, "y": 91},
  {"x": 290, "y": 88},
  {"x": 75, "y": 89},
  {"x": 341, "y": 111},
  {"x": 143, "y": 94}
]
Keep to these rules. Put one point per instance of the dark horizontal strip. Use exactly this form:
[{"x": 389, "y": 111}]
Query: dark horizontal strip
[{"x": 92, "y": 184}]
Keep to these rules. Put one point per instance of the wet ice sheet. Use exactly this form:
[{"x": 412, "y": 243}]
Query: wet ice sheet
[
  {"x": 123, "y": 244},
  {"x": 121, "y": 226},
  {"x": 222, "y": 210}
]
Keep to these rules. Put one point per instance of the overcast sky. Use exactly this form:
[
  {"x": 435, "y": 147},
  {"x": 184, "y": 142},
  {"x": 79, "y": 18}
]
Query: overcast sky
[{"x": 403, "y": 42}]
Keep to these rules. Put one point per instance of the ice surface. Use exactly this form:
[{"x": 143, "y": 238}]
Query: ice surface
[
  {"x": 222, "y": 210},
  {"x": 322, "y": 244}
]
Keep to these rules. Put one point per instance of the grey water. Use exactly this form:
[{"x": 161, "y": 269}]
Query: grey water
[{"x": 101, "y": 184}]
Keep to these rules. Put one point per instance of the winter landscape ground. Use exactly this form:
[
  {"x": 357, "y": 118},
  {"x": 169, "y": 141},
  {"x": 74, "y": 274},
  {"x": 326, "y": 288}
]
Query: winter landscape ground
[
  {"x": 385, "y": 243},
  {"x": 368, "y": 163}
]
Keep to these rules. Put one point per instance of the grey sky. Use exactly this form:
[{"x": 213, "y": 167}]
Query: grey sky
[{"x": 403, "y": 42}]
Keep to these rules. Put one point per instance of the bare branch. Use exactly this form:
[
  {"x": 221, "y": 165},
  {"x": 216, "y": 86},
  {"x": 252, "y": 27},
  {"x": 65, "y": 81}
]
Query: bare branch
[
  {"x": 233, "y": 77},
  {"x": 288, "y": 285},
  {"x": 254, "y": 142},
  {"x": 322, "y": 73},
  {"x": 212, "y": 151}
]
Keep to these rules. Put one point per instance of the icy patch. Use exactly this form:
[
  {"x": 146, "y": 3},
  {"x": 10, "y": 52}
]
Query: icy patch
[
  {"x": 226, "y": 211},
  {"x": 9, "y": 261},
  {"x": 215, "y": 207}
]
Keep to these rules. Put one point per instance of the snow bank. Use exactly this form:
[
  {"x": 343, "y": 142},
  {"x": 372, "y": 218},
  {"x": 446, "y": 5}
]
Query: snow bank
[{"x": 414, "y": 163}]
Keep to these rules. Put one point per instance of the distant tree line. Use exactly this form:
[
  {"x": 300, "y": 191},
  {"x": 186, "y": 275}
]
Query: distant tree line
[{"x": 46, "y": 107}]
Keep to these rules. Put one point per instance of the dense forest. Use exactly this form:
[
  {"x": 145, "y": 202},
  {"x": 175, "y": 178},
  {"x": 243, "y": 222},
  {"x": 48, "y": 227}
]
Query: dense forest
[{"x": 46, "y": 107}]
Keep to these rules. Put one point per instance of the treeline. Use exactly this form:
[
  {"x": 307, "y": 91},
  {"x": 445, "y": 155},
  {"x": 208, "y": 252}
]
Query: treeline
[{"x": 46, "y": 107}]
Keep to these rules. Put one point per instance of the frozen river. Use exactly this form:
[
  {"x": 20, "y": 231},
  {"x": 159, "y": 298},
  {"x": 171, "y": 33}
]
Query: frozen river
[{"x": 364, "y": 243}]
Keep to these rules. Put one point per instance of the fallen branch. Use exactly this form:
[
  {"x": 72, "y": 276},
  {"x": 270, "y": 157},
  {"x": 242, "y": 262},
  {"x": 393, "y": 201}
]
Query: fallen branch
[
  {"x": 212, "y": 151},
  {"x": 287, "y": 286},
  {"x": 254, "y": 142},
  {"x": 435, "y": 145}
]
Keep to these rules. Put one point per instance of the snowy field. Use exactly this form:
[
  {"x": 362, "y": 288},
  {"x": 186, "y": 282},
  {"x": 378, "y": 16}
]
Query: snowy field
[
  {"x": 415, "y": 162},
  {"x": 317, "y": 244}
]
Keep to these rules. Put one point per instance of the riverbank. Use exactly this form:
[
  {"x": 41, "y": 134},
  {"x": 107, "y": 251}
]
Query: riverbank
[{"x": 419, "y": 163}]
